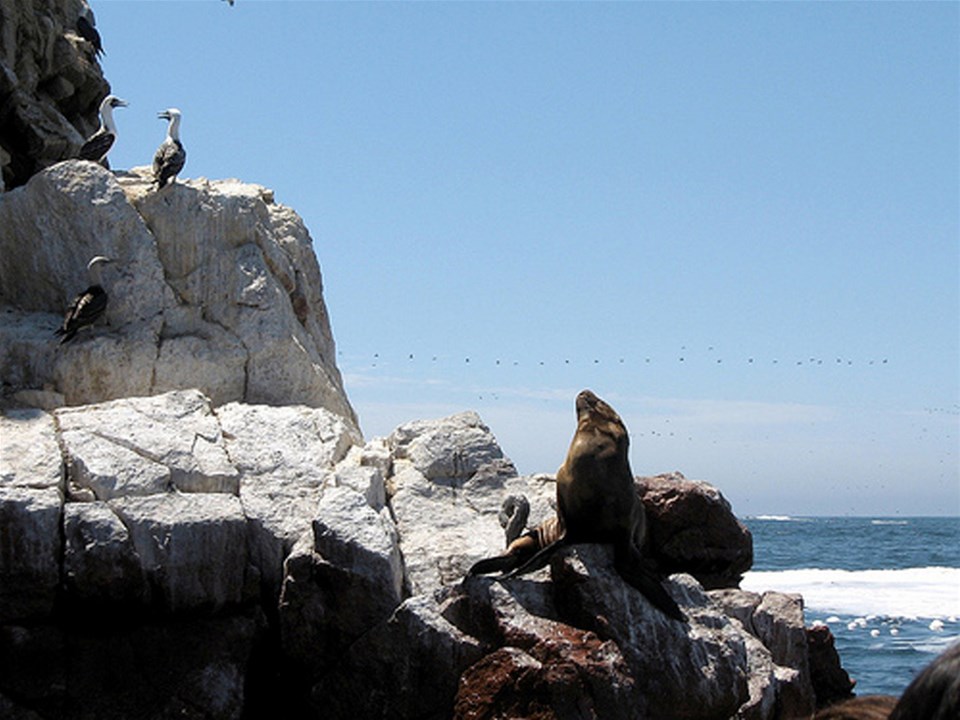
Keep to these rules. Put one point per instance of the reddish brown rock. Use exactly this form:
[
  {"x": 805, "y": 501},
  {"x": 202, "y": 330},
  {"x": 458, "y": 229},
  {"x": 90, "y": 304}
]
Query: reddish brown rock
[
  {"x": 568, "y": 674},
  {"x": 691, "y": 528}
]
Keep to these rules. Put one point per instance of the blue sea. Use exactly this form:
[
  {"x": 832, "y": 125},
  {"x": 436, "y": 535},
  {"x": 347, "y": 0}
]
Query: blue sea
[{"x": 888, "y": 588}]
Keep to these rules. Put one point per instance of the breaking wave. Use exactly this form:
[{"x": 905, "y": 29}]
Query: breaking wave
[{"x": 929, "y": 592}]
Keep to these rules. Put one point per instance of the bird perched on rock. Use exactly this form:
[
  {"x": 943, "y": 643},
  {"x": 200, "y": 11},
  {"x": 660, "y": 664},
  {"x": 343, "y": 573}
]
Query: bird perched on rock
[
  {"x": 170, "y": 156},
  {"x": 86, "y": 28},
  {"x": 88, "y": 306},
  {"x": 98, "y": 145}
]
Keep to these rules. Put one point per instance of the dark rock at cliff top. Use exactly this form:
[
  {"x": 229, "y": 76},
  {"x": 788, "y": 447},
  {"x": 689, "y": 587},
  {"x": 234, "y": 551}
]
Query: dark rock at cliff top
[{"x": 51, "y": 86}]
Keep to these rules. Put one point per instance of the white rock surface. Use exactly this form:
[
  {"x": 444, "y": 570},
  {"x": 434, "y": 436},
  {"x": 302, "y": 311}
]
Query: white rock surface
[
  {"x": 170, "y": 504},
  {"x": 29, "y": 454},
  {"x": 192, "y": 548},
  {"x": 448, "y": 451},
  {"x": 145, "y": 446},
  {"x": 227, "y": 299},
  {"x": 353, "y": 536},
  {"x": 285, "y": 456}
]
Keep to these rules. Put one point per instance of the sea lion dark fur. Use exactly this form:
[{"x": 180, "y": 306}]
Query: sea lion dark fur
[{"x": 596, "y": 503}]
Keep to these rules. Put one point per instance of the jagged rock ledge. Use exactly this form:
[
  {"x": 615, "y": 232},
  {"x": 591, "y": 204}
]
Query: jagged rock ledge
[
  {"x": 217, "y": 287},
  {"x": 164, "y": 557}
]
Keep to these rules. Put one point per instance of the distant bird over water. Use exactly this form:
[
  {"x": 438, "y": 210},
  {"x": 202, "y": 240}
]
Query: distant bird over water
[
  {"x": 88, "y": 306},
  {"x": 170, "y": 156},
  {"x": 86, "y": 28},
  {"x": 98, "y": 145}
]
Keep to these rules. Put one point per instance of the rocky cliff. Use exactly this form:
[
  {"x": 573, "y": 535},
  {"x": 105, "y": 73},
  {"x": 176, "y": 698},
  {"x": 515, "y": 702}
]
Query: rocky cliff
[
  {"x": 162, "y": 557},
  {"x": 191, "y": 525},
  {"x": 214, "y": 287}
]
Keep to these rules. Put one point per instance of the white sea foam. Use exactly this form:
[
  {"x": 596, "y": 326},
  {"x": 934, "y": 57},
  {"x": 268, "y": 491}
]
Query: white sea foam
[
  {"x": 777, "y": 518},
  {"x": 932, "y": 592},
  {"x": 889, "y": 522}
]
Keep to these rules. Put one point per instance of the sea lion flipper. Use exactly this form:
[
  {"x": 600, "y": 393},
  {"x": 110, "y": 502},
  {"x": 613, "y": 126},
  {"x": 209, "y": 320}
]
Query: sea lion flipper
[
  {"x": 500, "y": 563},
  {"x": 515, "y": 555},
  {"x": 513, "y": 516},
  {"x": 539, "y": 559},
  {"x": 630, "y": 567}
]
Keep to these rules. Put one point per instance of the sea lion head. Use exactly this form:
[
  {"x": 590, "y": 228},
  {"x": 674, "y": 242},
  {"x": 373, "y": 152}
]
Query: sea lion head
[
  {"x": 594, "y": 413},
  {"x": 600, "y": 431}
]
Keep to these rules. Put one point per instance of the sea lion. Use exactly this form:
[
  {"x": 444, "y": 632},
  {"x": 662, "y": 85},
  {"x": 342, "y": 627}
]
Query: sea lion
[{"x": 596, "y": 503}]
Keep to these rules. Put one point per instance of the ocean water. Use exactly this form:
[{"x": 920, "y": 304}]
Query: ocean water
[{"x": 888, "y": 588}]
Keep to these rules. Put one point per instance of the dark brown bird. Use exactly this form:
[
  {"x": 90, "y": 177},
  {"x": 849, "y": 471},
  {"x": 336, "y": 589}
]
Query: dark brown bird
[
  {"x": 98, "y": 145},
  {"x": 170, "y": 156},
  {"x": 88, "y": 306},
  {"x": 87, "y": 30}
]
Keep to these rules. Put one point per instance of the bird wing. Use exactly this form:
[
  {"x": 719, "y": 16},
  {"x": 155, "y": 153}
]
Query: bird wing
[
  {"x": 168, "y": 161},
  {"x": 89, "y": 33},
  {"x": 97, "y": 146},
  {"x": 84, "y": 310}
]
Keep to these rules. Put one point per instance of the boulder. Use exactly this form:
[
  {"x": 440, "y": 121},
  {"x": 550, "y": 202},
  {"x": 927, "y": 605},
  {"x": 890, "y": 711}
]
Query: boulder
[
  {"x": 341, "y": 580},
  {"x": 573, "y": 640},
  {"x": 568, "y": 676},
  {"x": 778, "y": 621},
  {"x": 542, "y": 667},
  {"x": 178, "y": 511},
  {"x": 449, "y": 479},
  {"x": 705, "y": 672},
  {"x": 446, "y": 452},
  {"x": 691, "y": 528},
  {"x": 831, "y": 683},
  {"x": 228, "y": 301},
  {"x": 763, "y": 681},
  {"x": 775, "y": 620}
]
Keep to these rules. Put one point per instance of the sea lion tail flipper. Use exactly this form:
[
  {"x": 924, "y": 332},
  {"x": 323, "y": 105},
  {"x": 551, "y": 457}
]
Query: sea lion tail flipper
[
  {"x": 513, "y": 516},
  {"x": 537, "y": 561},
  {"x": 653, "y": 590},
  {"x": 500, "y": 563}
]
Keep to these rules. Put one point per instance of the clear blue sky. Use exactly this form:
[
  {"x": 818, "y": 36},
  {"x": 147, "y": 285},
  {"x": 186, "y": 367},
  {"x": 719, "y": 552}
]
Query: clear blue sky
[{"x": 738, "y": 223}]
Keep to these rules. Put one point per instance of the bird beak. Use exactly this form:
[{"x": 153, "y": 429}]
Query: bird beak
[
  {"x": 163, "y": 115},
  {"x": 120, "y": 103}
]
